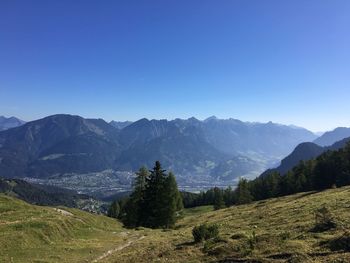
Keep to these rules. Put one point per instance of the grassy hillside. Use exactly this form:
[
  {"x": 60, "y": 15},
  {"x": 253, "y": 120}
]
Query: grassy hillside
[
  {"x": 31, "y": 233},
  {"x": 275, "y": 230}
]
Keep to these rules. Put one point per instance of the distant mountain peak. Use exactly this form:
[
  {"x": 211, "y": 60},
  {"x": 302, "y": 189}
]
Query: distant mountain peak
[
  {"x": 83, "y": 145},
  {"x": 11, "y": 122},
  {"x": 341, "y": 129},
  {"x": 143, "y": 120},
  {"x": 330, "y": 137},
  {"x": 303, "y": 152},
  {"x": 195, "y": 150},
  {"x": 211, "y": 118},
  {"x": 120, "y": 124},
  {"x": 192, "y": 119}
]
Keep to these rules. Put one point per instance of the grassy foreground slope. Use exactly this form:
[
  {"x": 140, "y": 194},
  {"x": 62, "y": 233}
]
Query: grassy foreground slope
[
  {"x": 274, "y": 230},
  {"x": 30, "y": 233}
]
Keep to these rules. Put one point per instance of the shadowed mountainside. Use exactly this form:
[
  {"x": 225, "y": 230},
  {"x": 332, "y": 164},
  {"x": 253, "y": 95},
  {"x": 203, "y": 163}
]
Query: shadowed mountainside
[
  {"x": 8, "y": 123},
  {"x": 331, "y": 137},
  {"x": 305, "y": 152},
  {"x": 63, "y": 145}
]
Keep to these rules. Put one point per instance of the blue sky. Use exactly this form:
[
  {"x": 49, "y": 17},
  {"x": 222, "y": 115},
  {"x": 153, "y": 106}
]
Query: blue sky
[{"x": 284, "y": 61}]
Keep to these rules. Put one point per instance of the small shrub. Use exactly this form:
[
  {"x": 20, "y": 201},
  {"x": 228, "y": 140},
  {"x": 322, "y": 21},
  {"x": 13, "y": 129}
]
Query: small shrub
[
  {"x": 298, "y": 258},
  {"x": 238, "y": 236},
  {"x": 208, "y": 245},
  {"x": 213, "y": 231},
  {"x": 324, "y": 220},
  {"x": 244, "y": 250},
  {"x": 340, "y": 243},
  {"x": 205, "y": 232},
  {"x": 284, "y": 235},
  {"x": 198, "y": 233},
  {"x": 252, "y": 240}
]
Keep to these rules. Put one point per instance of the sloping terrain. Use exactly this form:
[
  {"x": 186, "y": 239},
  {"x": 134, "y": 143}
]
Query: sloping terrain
[
  {"x": 37, "y": 195},
  {"x": 58, "y": 144},
  {"x": 304, "y": 152},
  {"x": 274, "y": 230},
  {"x": 330, "y": 137},
  {"x": 30, "y": 233},
  {"x": 49, "y": 195}
]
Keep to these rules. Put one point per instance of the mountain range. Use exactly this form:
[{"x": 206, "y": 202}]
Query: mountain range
[
  {"x": 66, "y": 147},
  {"x": 310, "y": 150},
  {"x": 57, "y": 144},
  {"x": 8, "y": 123},
  {"x": 329, "y": 138}
]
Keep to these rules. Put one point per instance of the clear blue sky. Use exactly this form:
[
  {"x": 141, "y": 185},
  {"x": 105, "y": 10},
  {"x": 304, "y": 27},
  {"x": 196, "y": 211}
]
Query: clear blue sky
[{"x": 284, "y": 61}]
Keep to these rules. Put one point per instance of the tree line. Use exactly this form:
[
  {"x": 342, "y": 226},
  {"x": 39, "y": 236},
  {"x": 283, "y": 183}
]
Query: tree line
[
  {"x": 156, "y": 201},
  {"x": 218, "y": 197},
  {"x": 331, "y": 169}
]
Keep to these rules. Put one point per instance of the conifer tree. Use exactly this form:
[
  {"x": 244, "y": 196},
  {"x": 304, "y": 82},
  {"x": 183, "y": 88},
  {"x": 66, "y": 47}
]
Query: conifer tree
[
  {"x": 288, "y": 183},
  {"x": 272, "y": 184},
  {"x": 243, "y": 193},
  {"x": 155, "y": 200},
  {"x": 229, "y": 197},
  {"x": 114, "y": 210},
  {"x": 171, "y": 200},
  {"x": 132, "y": 215},
  {"x": 218, "y": 199},
  {"x": 140, "y": 181},
  {"x": 135, "y": 204},
  {"x": 153, "y": 212},
  {"x": 175, "y": 192}
]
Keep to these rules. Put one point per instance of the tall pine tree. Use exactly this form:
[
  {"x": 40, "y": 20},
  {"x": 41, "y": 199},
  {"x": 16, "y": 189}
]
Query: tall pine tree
[
  {"x": 155, "y": 201},
  {"x": 114, "y": 210},
  {"x": 218, "y": 199},
  {"x": 243, "y": 193},
  {"x": 172, "y": 201},
  {"x": 136, "y": 202}
]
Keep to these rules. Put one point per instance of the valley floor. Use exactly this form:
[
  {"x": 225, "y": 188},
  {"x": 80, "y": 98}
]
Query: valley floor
[{"x": 274, "y": 230}]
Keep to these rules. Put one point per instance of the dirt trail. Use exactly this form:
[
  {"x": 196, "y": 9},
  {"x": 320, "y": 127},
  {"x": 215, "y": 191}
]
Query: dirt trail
[
  {"x": 11, "y": 222},
  {"x": 118, "y": 248},
  {"x": 63, "y": 212}
]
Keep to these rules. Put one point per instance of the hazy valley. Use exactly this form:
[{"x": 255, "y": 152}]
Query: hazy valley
[{"x": 95, "y": 157}]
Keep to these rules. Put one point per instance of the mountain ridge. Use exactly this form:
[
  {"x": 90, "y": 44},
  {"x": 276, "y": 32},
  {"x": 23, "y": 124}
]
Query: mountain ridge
[
  {"x": 62, "y": 146},
  {"x": 11, "y": 122},
  {"x": 330, "y": 137},
  {"x": 58, "y": 137},
  {"x": 45, "y": 195},
  {"x": 304, "y": 152}
]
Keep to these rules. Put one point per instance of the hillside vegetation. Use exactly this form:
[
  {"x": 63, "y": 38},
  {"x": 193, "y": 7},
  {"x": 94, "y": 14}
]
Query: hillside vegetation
[
  {"x": 30, "y": 233},
  {"x": 274, "y": 230},
  {"x": 48, "y": 195}
]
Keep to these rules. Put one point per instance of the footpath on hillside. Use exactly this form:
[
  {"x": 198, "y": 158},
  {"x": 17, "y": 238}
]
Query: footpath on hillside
[{"x": 132, "y": 240}]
